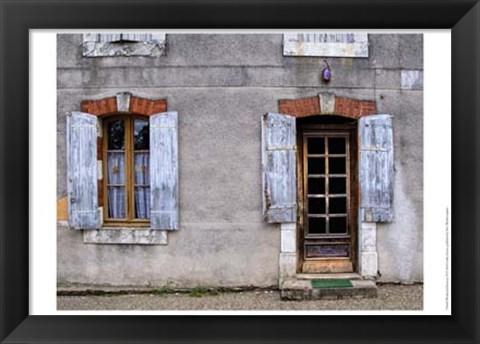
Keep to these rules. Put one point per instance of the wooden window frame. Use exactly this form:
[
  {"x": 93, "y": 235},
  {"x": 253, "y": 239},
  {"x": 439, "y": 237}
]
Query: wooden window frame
[{"x": 130, "y": 220}]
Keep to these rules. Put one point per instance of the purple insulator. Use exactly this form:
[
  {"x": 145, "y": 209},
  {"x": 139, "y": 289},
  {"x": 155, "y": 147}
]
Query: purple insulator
[{"x": 326, "y": 74}]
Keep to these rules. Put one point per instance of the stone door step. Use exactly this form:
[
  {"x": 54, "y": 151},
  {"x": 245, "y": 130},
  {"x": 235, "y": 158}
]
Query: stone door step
[
  {"x": 301, "y": 289},
  {"x": 346, "y": 275}
]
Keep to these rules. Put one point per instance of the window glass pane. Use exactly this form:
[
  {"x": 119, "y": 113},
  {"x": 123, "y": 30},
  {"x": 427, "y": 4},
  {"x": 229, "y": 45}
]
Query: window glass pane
[
  {"x": 142, "y": 202},
  {"x": 316, "y": 205},
  {"x": 337, "y": 205},
  {"x": 141, "y": 138},
  {"x": 316, "y": 225},
  {"x": 116, "y": 202},
  {"x": 116, "y": 168},
  {"x": 316, "y": 186},
  {"x": 336, "y": 145},
  {"x": 338, "y": 225},
  {"x": 336, "y": 166},
  {"x": 316, "y": 145},
  {"x": 316, "y": 165},
  {"x": 337, "y": 185},
  {"x": 142, "y": 168},
  {"x": 116, "y": 134}
]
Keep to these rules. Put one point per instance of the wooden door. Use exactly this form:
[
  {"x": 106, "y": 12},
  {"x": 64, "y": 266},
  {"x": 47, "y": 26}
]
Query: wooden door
[{"x": 327, "y": 239}]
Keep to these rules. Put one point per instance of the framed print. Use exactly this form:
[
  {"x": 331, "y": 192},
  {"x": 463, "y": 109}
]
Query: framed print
[{"x": 273, "y": 154}]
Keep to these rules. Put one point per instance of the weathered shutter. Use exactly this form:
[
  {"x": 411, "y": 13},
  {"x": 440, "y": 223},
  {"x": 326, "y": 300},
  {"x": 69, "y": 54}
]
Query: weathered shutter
[
  {"x": 164, "y": 171},
  {"x": 137, "y": 37},
  {"x": 279, "y": 168},
  {"x": 376, "y": 168},
  {"x": 82, "y": 171}
]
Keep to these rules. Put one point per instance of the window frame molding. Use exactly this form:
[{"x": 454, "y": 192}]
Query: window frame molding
[
  {"x": 366, "y": 256},
  {"x": 121, "y": 104}
]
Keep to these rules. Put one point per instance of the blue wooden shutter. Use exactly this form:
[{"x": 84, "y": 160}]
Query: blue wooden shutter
[
  {"x": 375, "y": 137},
  {"x": 164, "y": 171},
  {"x": 279, "y": 159},
  {"x": 82, "y": 171}
]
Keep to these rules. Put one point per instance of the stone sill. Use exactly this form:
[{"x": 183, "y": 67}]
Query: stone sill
[{"x": 125, "y": 236}]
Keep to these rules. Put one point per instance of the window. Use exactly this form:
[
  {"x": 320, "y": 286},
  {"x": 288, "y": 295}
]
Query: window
[
  {"x": 139, "y": 171},
  {"x": 126, "y": 159},
  {"x": 123, "y": 44}
]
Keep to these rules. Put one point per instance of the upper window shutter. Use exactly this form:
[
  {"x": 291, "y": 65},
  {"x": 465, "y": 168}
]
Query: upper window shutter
[
  {"x": 279, "y": 168},
  {"x": 164, "y": 171},
  {"x": 376, "y": 168},
  {"x": 82, "y": 171}
]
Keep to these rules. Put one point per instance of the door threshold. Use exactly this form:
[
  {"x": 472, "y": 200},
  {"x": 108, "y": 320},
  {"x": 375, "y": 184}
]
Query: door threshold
[{"x": 336, "y": 275}]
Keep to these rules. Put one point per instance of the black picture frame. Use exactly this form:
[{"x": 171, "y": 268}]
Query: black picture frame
[{"x": 17, "y": 17}]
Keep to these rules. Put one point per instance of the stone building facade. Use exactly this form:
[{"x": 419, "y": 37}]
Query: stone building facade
[{"x": 242, "y": 128}]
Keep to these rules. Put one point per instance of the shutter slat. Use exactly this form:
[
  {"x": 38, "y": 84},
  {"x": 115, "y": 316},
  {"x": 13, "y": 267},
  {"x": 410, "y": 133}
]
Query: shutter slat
[
  {"x": 137, "y": 37},
  {"x": 279, "y": 168},
  {"x": 376, "y": 168},
  {"x": 109, "y": 37},
  {"x": 82, "y": 171},
  {"x": 164, "y": 171}
]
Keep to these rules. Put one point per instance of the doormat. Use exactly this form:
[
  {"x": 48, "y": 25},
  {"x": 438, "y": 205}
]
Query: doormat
[{"x": 331, "y": 283}]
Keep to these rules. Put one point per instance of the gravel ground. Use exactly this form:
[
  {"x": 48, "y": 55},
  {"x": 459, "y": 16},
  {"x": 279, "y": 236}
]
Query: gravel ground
[{"x": 390, "y": 297}]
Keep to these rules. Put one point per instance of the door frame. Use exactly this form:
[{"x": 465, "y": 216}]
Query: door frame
[{"x": 328, "y": 265}]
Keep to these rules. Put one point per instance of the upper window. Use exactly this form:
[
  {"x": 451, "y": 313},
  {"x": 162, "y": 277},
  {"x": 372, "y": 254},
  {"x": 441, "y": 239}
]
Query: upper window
[
  {"x": 326, "y": 44},
  {"x": 123, "y": 44},
  {"x": 126, "y": 168}
]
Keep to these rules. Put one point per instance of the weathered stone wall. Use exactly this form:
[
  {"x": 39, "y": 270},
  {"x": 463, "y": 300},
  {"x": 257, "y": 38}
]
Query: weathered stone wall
[{"x": 220, "y": 85}]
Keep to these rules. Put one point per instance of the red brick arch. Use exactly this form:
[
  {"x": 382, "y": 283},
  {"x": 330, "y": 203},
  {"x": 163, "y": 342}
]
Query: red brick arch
[
  {"x": 136, "y": 105},
  {"x": 332, "y": 105}
]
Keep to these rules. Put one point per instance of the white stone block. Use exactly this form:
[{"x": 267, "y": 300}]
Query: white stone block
[
  {"x": 327, "y": 103},
  {"x": 368, "y": 237},
  {"x": 288, "y": 237},
  {"x": 123, "y": 101},
  {"x": 412, "y": 79},
  {"x": 287, "y": 265},
  {"x": 368, "y": 264},
  {"x": 288, "y": 241},
  {"x": 288, "y": 226}
]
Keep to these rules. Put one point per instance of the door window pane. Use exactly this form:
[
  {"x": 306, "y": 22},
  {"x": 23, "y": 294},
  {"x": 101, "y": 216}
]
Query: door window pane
[
  {"x": 316, "y": 186},
  {"x": 337, "y": 185},
  {"x": 316, "y": 165},
  {"x": 336, "y": 145},
  {"x": 316, "y": 145},
  {"x": 316, "y": 205},
  {"x": 338, "y": 225},
  {"x": 336, "y": 166},
  {"x": 337, "y": 205},
  {"x": 316, "y": 225}
]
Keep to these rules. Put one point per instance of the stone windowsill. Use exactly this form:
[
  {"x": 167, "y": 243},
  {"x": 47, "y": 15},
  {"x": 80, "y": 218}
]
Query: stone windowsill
[{"x": 125, "y": 236}]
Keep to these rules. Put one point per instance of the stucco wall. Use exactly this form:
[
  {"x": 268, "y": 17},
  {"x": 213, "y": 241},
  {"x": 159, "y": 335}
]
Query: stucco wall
[{"x": 221, "y": 85}]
